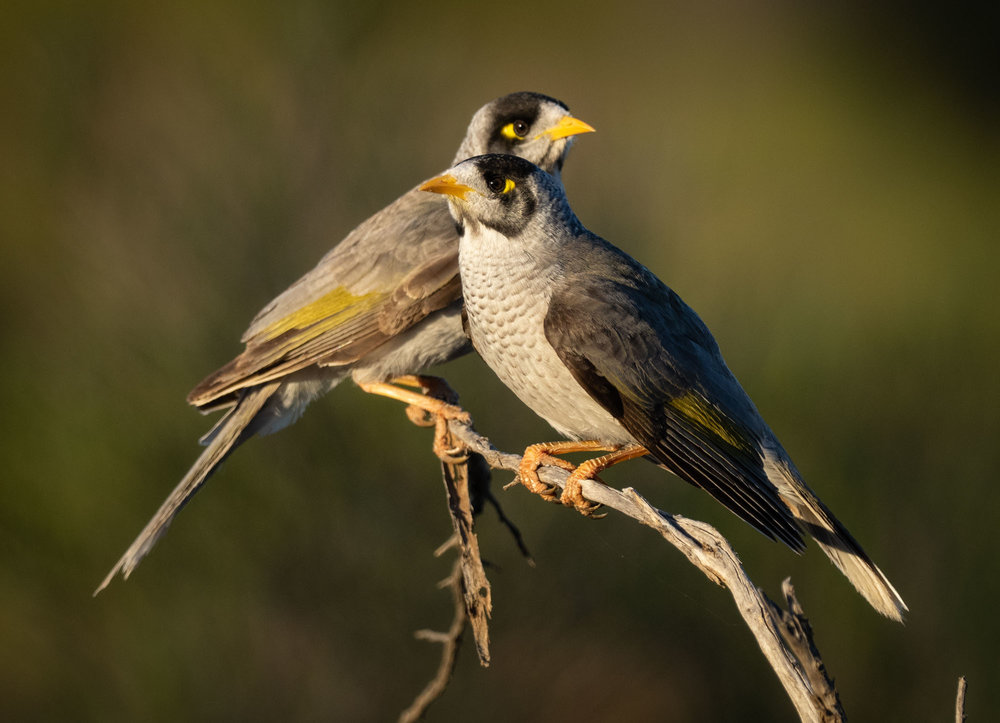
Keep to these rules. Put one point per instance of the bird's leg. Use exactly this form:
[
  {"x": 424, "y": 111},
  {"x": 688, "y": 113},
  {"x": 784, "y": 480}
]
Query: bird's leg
[
  {"x": 538, "y": 454},
  {"x": 436, "y": 397},
  {"x": 572, "y": 495},
  {"x": 434, "y": 405},
  {"x": 436, "y": 388},
  {"x": 433, "y": 387}
]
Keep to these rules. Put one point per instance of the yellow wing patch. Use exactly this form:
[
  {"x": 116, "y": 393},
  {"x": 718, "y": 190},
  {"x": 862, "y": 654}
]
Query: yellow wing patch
[
  {"x": 330, "y": 310},
  {"x": 693, "y": 407}
]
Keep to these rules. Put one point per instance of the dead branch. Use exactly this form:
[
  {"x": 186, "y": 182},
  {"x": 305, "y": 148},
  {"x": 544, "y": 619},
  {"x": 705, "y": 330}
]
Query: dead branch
[
  {"x": 960, "y": 700},
  {"x": 456, "y": 473},
  {"x": 451, "y": 642},
  {"x": 785, "y": 638},
  {"x": 797, "y": 633},
  {"x": 466, "y": 479}
]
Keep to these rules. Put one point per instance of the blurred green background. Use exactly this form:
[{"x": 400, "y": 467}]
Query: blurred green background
[{"x": 821, "y": 184}]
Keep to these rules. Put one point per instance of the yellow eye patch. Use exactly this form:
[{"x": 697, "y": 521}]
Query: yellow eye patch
[
  {"x": 494, "y": 184},
  {"x": 509, "y": 131}
]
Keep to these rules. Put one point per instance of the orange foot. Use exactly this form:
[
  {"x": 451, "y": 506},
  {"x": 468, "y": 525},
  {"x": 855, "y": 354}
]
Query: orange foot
[
  {"x": 534, "y": 457},
  {"x": 572, "y": 494},
  {"x": 434, "y": 405}
]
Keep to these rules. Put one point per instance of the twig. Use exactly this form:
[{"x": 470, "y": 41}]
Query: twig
[
  {"x": 960, "y": 700},
  {"x": 451, "y": 642},
  {"x": 799, "y": 667},
  {"x": 504, "y": 520},
  {"x": 456, "y": 473},
  {"x": 797, "y": 633},
  {"x": 466, "y": 479}
]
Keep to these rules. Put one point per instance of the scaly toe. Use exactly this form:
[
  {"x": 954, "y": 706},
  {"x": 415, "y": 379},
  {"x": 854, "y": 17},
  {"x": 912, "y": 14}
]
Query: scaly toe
[
  {"x": 419, "y": 417},
  {"x": 528, "y": 476},
  {"x": 536, "y": 486},
  {"x": 452, "y": 455},
  {"x": 572, "y": 496}
]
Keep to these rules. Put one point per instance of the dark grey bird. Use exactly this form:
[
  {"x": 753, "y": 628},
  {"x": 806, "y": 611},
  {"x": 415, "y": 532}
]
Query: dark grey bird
[
  {"x": 383, "y": 305},
  {"x": 614, "y": 360}
]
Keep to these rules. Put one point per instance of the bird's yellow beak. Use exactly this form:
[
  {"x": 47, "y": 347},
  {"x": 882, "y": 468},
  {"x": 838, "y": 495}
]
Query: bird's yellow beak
[
  {"x": 448, "y": 185},
  {"x": 568, "y": 126}
]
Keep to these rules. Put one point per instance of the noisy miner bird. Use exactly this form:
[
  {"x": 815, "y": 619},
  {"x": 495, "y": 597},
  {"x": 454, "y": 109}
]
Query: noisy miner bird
[
  {"x": 381, "y": 306},
  {"x": 612, "y": 358}
]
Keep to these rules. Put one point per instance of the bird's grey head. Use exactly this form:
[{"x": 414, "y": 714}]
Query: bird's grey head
[
  {"x": 529, "y": 125},
  {"x": 505, "y": 193}
]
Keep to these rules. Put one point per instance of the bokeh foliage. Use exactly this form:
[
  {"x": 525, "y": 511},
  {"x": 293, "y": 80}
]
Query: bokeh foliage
[{"x": 821, "y": 184}]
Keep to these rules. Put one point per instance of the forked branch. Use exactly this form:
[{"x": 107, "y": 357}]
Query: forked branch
[{"x": 784, "y": 637}]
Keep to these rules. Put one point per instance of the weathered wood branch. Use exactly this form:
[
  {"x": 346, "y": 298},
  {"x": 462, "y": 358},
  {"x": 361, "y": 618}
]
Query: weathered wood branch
[
  {"x": 450, "y": 641},
  {"x": 963, "y": 685},
  {"x": 459, "y": 471},
  {"x": 784, "y": 637},
  {"x": 466, "y": 478}
]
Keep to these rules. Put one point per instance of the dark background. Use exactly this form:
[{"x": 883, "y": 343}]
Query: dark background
[{"x": 821, "y": 184}]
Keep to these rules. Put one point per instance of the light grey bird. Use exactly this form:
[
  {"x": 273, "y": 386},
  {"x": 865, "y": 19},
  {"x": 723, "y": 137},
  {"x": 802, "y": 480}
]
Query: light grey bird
[
  {"x": 612, "y": 358},
  {"x": 381, "y": 306}
]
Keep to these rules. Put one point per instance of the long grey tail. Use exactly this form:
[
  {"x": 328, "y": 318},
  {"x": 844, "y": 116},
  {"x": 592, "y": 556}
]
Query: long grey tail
[
  {"x": 834, "y": 539},
  {"x": 864, "y": 574},
  {"x": 235, "y": 428}
]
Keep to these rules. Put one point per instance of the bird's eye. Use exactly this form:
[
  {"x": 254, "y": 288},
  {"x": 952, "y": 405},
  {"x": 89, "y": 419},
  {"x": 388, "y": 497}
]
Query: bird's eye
[
  {"x": 515, "y": 130},
  {"x": 499, "y": 184}
]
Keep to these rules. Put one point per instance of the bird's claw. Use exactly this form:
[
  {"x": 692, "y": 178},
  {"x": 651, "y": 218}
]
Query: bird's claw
[
  {"x": 527, "y": 474},
  {"x": 447, "y": 448},
  {"x": 419, "y": 416},
  {"x": 572, "y": 496},
  {"x": 530, "y": 480}
]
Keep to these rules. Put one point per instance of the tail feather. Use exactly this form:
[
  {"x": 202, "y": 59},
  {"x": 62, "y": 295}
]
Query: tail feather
[
  {"x": 834, "y": 539},
  {"x": 869, "y": 580},
  {"x": 232, "y": 430}
]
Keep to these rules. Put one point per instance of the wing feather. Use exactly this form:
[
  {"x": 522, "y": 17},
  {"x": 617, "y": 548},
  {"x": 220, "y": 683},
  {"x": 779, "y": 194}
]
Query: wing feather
[
  {"x": 350, "y": 304},
  {"x": 647, "y": 358}
]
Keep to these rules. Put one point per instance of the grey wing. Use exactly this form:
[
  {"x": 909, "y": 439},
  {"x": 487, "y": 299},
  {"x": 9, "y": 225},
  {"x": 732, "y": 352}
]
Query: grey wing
[
  {"x": 391, "y": 272},
  {"x": 647, "y": 358}
]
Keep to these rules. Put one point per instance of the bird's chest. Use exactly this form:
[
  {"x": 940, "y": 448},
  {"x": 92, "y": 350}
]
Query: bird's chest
[{"x": 506, "y": 299}]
